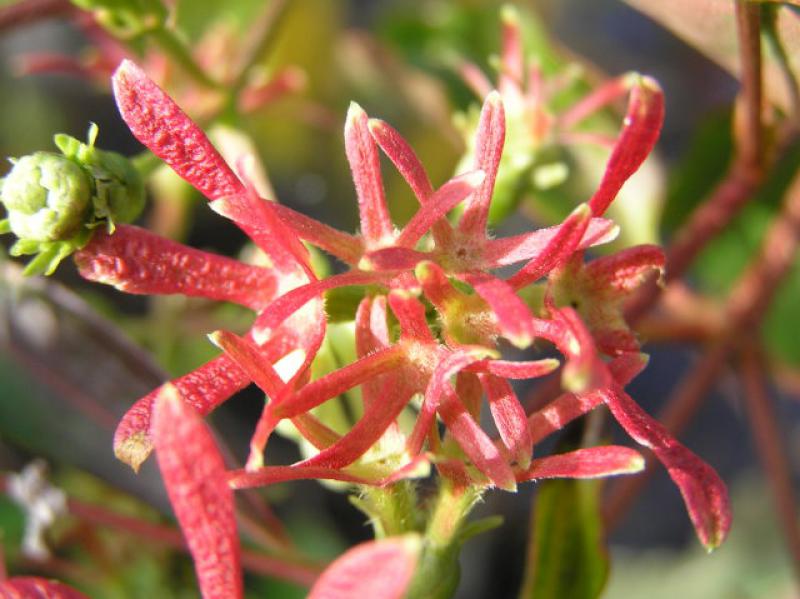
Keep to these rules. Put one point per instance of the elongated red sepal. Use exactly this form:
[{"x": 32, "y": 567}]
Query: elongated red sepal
[
  {"x": 159, "y": 123},
  {"x": 489, "y": 142},
  {"x": 558, "y": 251},
  {"x": 204, "y": 388},
  {"x": 474, "y": 441},
  {"x": 362, "y": 154},
  {"x": 32, "y": 587},
  {"x": 196, "y": 479},
  {"x": 509, "y": 417},
  {"x": 137, "y": 261},
  {"x": 623, "y": 272},
  {"x": 640, "y": 130},
  {"x": 704, "y": 493},
  {"x": 381, "y": 569},
  {"x": 592, "y": 462}
]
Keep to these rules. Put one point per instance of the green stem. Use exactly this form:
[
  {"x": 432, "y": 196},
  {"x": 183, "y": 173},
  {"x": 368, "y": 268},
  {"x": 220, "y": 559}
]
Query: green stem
[
  {"x": 174, "y": 47},
  {"x": 438, "y": 573},
  {"x": 392, "y": 510}
]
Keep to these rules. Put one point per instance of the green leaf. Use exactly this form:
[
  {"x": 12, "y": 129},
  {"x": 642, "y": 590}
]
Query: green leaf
[{"x": 567, "y": 559}]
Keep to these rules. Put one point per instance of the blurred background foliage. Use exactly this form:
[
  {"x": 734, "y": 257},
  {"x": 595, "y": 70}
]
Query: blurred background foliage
[{"x": 397, "y": 58}]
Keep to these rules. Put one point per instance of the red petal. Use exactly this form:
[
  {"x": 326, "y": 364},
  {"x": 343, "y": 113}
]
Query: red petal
[
  {"x": 437, "y": 287},
  {"x": 403, "y": 157},
  {"x": 439, "y": 383},
  {"x": 509, "y": 417},
  {"x": 489, "y": 141},
  {"x": 475, "y": 79},
  {"x": 447, "y": 197},
  {"x": 410, "y": 313},
  {"x": 380, "y": 569},
  {"x": 476, "y": 444},
  {"x": 557, "y": 251},
  {"x": 204, "y": 388},
  {"x": 592, "y": 462},
  {"x": 137, "y": 261},
  {"x": 624, "y": 271},
  {"x": 247, "y": 356},
  {"x": 640, "y": 131},
  {"x": 344, "y": 246},
  {"x": 510, "y": 250},
  {"x": 516, "y": 370},
  {"x": 30, "y": 587},
  {"x": 514, "y": 318},
  {"x": 703, "y": 491},
  {"x": 366, "y": 169},
  {"x": 270, "y": 475},
  {"x": 391, "y": 258},
  {"x": 194, "y": 473},
  {"x": 372, "y": 334},
  {"x": 157, "y": 121}
]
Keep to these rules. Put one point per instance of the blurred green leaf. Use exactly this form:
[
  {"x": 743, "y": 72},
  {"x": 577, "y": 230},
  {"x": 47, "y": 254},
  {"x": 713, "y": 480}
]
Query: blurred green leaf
[{"x": 568, "y": 558}]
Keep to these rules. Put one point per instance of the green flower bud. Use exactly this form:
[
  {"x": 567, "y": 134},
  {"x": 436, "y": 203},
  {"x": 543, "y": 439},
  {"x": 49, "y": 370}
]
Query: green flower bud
[{"x": 47, "y": 197}]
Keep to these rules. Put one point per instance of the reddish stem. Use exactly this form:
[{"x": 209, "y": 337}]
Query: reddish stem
[
  {"x": 771, "y": 448},
  {"x": 31, "y": 11}
]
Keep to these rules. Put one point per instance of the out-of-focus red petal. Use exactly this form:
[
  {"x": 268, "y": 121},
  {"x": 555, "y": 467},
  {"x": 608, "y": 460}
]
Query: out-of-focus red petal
[
  {"x": 704, "y": 493},
  {"x": 32, "y": 587},
  {"x": 194, "y": 473},
  {"x": 362, "y": 154},
  {"x": 157, "y": 121},
  {"x": 509, "y": 417},
  {"x": 489, "y": 141},
  {"x": 557, "y": 251},
  {"x": 640, "y": 130},
  {"x": 510, "y": 250},
  {"x": 380, "y": 569},
  {"x": 511, "y": 59},
  {"x": 138, "y": 261},
  {"x": 476, "y": 444},
  {"x": 591, "y": 462}
]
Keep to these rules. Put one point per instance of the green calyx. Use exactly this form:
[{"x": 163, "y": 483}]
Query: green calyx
[{"x": 54, "y": 202}]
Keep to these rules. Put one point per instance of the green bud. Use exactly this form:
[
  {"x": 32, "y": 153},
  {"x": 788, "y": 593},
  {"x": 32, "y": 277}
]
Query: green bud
[
  {"x": 54, "y": 202},
  {"x": 47, "y": 197}
]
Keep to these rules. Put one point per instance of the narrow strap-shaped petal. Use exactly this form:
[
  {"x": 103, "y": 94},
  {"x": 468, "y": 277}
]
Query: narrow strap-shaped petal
[
  {"x": 204, "y": 388},
  {"x": 476, "y": 444},
  {"x": 410, "y": 313},
  {"x": 137, "y": 261},
  {"x": 270, "y": 475},
  {"x": 704, "y": 493},
  {"x": 510, "y": 250},
  {"x": 194, "y": 473},
  {"x": 344, "y": 246},
  {"x": 33, "y": 587},
  {"x": 584, "y": 370},
  {"x": 562, "y": 245},
  {"x": 371, "y": 334},
  {"x": 339, "y": 381},
  {"x": 514, "y": 318},
  {"x": 394, "y": 394},
  {"x": 439, "y": 383},
  {"x": 157, "y": 121},
  {"x": 398, "y": 150},
  {"x": 489, "y": 141},
  {"x": 447, "y": 197},
  {"x": 287, "y": 304},
  {"x": 392, "y": 258},
  {"x": 640, "y": 130},
  {"x": 569, "y": 406},
  {"x": 248, "y": 357},
  {"x": 591, "y": 462},
  {"x": 381, "y": 568},
  {"x": 257, "y": 217},
  {"x": 509, "y": 417},
  {"x": 362, "y": 154},
  {"x": 516, "y": 370},
  {"x": 436, "y": 286}
]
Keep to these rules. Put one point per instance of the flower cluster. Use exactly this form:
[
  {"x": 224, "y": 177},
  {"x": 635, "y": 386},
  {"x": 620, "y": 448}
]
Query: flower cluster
[{"x": 428, "y": 330}]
